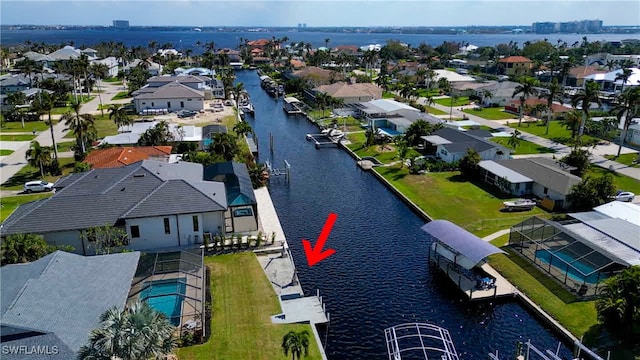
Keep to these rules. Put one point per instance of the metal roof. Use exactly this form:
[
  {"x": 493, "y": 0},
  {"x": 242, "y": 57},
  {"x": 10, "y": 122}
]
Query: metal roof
[
  {"x": 435, "y": 139},
  {"x": 65, "y": 293},
  {"x": 460, "y": 240},
  {"x": 503, "y": 172},
  {"x": 621, "y": 210}
]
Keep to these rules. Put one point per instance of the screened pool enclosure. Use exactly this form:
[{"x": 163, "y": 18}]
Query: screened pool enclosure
[{"x": 575, "y": 261}]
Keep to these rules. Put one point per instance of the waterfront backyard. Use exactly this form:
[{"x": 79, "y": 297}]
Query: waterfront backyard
[{"x": 243, "y": 302}]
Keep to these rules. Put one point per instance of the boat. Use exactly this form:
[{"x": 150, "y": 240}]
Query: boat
[
  {"x": 247, "y": 107},
  {"x": 280, "y": 89},
  {"x": 290, "y": 106},
  {"x": 519, "y": 205}
]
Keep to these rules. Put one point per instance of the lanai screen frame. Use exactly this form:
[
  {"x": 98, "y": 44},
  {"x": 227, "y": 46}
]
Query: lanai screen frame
[
  {"x": 544, "y": 234},
  {"x": 434, "y": 341},
  {"x": 183, "y": 264}
]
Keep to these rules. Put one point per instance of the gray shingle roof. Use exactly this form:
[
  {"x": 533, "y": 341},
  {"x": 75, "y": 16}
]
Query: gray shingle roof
[
  {"x": 65, "y": 293},
  {"x": 104, "y": 196},
  {"x": 174, "y": 90},
  {"x": 461, "y": 141},
  {"x": 179, "y": 78},
  {"x": 543, "y": 172},
  {"x": 13, "y": 336}
]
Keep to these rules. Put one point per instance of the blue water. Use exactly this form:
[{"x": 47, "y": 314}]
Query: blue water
[
  {"x": 379, "y": 276},
  {"x": 183, "y": 40},
  {"x": 577, "y": 271},
  {"x": 166, "y": 296}
]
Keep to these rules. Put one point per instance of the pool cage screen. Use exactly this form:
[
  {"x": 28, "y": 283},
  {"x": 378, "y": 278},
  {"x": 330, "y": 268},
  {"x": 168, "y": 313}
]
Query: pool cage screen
[
  {"x": 564, "y": 255},
  {"x": 173, "y": 283},
  {"x": 419, "y": 341}
]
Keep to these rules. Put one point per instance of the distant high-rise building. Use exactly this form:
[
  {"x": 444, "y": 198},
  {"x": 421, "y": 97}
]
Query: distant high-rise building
[
  {"x": 121, "y": 24},
  {"x": 583, "y": 26}
]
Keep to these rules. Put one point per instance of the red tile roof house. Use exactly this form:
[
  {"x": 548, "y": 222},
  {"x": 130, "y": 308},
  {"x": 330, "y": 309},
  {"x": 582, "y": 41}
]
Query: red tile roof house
[
  {"x": 516, "y": 65},
  {"x": 558, "y": 109},
  {"x": 260, "y": 44},
  {"x": 121, "y": 156},
  {"x": 577, "y": 74}
]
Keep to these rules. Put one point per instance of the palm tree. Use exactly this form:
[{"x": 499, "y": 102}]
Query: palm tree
[
  {"x": 238, "y": 90},
  {"x": 322, "y": 99},
  {"x": 82, "y": 126},
  {"x": 99, "y": 71},
  {"x": 627, "y": 108},
  {"x": 38, "y": 156},
  {"x": 119, "y": 115},
  {"x": 326, "y": 42},
  {"x": 296, "y": 343},
  {"x": 486, "y": 94},
  {"x": 137, "y": 332},
  {"x": 525, "y": 89},
  {"x": 45, "y": 103},
  {"x": 514, "y": 140},
  {"x": 619, "y": 303},
  {"x": 453, "y": 99},
  {"x": 584, "y": 98},
  {"x": 572, "y": 121},
  {"x": 624, "y": 76},
  {"x": 28, "y": 66},
  {"x": 243, "y": 128},
  {"x": 555, "y": 93}
]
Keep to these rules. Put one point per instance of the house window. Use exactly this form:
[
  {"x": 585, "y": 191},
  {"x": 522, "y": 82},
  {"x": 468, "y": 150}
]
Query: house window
[
  {"x": 242, "y": 212},
  {"x": 196, "y": 226},
  {"x": 144, "y": 103},
  {"x": 135, "y": 231},
  {"x": 189, "y": 99},
  {"x": 517, "y": 186},
  {"x": 167, "y": 226},
  {"x": 168, "y": 104},
  {"x": 546, "y": 191},
  {"x": 152, "y": 104},
  {"x": 182, "y": 104}
]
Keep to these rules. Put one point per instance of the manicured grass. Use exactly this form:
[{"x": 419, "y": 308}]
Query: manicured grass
[
  {"x": 557, "y": 132},
  {"x": 497, "y": 113},
  {"x": 243, "y": 302},
  {"x": 82, "y": 98},
  {"x": 388, "y": 95},
  {"x": 577, "y": 316},
  {"x": 112, "y": 80},
  {"x": 626, "y": 159},
  {"x": 104, "y": 127},
  {"x": 352, "y": 124},
  {"x": 463, "y": 100},
  {"x": 428, "y": 92},
  {"x": 10, "y": 203},
  {"x": 5, "y": 152},
  {"x": 433, "y": 111},
  {"x": 29, "y": 173},
  {"x": 61, "y": 110},
  {"x": 121, "y": 95},
  {"x": 29, "y": 126},
  {"x": 525, "y": 147},
  {"x": 65, "y": 146},
  {"x": 19, "y": 137},
  {"x": 385, "y": 155},
  {"x": 621, "y": 182},
  {"x": 443, "y": 195}
]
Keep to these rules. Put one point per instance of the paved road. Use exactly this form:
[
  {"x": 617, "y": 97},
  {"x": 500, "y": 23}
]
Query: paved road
[
  {"x": 11, "y": 164},
  {"x": 597, "y": 153}
]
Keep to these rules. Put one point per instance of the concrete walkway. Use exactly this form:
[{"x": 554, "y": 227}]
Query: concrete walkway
[{"x": 597, "y": 153}]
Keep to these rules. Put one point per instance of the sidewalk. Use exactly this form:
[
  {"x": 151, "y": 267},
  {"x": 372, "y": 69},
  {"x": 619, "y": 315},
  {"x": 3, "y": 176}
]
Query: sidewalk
[{"x": 561, "y": 150}]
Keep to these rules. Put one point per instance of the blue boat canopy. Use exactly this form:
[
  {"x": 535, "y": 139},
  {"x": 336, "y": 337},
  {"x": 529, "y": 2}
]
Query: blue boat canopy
[{"x": 465, "y": 249}]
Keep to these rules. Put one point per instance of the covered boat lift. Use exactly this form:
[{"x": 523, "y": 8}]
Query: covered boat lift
[{"x": 461, "y": 255}]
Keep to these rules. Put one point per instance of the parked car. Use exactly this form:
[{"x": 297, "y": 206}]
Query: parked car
[
  {"x": 186, "y": 113},
  {"x": 626, "y": 196},
  {"x": 37, "y": 186}
]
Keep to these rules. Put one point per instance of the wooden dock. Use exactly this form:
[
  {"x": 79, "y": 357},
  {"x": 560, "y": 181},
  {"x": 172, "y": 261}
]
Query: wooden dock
[
  {"x": 501, "y": 288},
  {"x": 324, "y": 140}
]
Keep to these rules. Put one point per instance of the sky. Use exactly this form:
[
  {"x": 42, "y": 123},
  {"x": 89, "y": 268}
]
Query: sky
[{"x": 258, "y": 13}]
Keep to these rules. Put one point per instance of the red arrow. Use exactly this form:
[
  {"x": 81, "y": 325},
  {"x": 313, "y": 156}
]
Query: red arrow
[{"x": 315, "y": 254}]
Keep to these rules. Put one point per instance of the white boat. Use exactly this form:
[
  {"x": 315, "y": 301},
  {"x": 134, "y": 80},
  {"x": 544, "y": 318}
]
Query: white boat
[
  {"x": 332, "y": 132},
  {"x": 519, "y": 205},
  {"x": 247, "y": 107}
]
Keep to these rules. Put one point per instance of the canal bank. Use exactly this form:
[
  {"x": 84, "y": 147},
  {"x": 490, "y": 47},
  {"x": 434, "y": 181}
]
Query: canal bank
[{"x": 379, "y": 275}]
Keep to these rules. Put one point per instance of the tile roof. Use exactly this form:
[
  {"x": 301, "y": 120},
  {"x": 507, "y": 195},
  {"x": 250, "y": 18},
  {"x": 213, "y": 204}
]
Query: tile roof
[
  {"x": 342, "y": 89},
  {"x": 65, "y": 294},
  {"x": 515, "y": 59},
  {"x": 104, "y": 196},
  {"x": 121, "y": 156}
]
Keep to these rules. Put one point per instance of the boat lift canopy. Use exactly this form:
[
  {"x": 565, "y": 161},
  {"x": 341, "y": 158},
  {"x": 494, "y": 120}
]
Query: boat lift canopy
[{"x": 461, "y": 247}]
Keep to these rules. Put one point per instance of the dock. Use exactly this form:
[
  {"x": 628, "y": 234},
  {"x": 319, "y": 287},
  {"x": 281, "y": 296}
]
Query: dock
[
  {"x": 325, "y": 140},
  {"x": 291, "y": 106}
]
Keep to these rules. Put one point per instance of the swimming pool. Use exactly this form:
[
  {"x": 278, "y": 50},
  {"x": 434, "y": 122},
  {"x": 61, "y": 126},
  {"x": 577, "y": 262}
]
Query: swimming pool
[
  {"x": 166, "y": 296},
  {"x": 576, "y": 270}
]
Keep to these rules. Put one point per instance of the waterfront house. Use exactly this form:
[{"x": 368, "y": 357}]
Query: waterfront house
[
  {"x": 130, "y": 134},
  {"x": 501, "y": 92},
  {"x": 123, "y": 156},
  {"x": 609, "y": 83},
  {"x": 207, "y": 134},
  {"x": 56, "y": 301},
  {"x": 545, "y": 178},
  {"x": 451, "y": 145},
  {"x": 577, "y": 74},
  {"x": 349, "y": 92},
  {"x": 515, "y": 65},
  {"x": 315, "y": 76},
  {"x": 159, "y": 204},
  {"x": 173, "y": 96},
  {"x": 558, "y": 110},
  {"x": 242, "y": 209},
  {"x": 196, "y": 71}
]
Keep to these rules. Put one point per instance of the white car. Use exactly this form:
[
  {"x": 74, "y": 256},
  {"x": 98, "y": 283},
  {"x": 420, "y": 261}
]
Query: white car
[
  {"x": 626, "y": 196},
  {"x": 37, "y": 186}
]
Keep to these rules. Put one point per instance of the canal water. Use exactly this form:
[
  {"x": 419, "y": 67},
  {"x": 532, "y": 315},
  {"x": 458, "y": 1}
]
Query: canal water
[{"x": 379, "y": 276}]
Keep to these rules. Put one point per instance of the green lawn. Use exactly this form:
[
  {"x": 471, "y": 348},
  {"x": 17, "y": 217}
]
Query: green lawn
[
  {"x": 525, "y": 147},
  {"x": 463, "y": 100},
  {"x": 65, "y": 146},
  {"x": 626, "y": 159},
  {"x": 121, "y": 95},
  {"x": 428, "y": 92},
  {"x": 61, "y": 110},
  {"x": 577, "y": 316},
  {"x": 104, "y": 127},
  {"x": 557, "y": 132},
  {"x": 385, "y": 155},
  {"x": 10, "y": 203},
  {"x": 388, "y": 95},
  {"x": 352, "y": 124},
  {"x": 433, "y": 111},
  {"x": 620, "y": 181},
  {"x": 112, "y": 80},
  {"x": 496, "y": 113},
  {"x": 29, "y": 173},
  {"x": 442, "y": 195},
  {"x": 20, "y": 137},
  {"x": 5, "y": 152},
  {"x": 29, "y": 126},
  {"x": 82, "y": 98},
  {"x": 243, "y": 302}
]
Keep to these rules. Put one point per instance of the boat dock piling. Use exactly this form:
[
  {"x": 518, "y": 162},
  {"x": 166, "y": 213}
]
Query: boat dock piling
[
  {"x": 323, "y": 140},
  {"x": 286, "y": 171}
]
